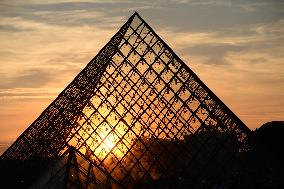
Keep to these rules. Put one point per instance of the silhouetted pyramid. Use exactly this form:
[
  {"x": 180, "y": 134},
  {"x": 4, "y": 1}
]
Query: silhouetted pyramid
[{"x": 138, "y": 111}]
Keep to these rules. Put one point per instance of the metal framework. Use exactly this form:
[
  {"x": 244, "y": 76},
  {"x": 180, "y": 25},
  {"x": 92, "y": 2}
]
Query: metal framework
[
  {"x": 139, "y": 112},
  {"x": 74, "y": 170}
]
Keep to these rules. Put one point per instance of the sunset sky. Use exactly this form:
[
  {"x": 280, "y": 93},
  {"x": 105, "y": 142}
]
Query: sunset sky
[{"x": 235, "y": 47}]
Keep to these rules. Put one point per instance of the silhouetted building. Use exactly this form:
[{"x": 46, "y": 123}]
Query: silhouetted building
[{"x": 135, "y": 116}]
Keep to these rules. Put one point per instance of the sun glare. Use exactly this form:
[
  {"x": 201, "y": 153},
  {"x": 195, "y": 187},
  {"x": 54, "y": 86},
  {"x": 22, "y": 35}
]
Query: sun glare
[
  {"x": 102, "y": 134},
  {"x": 108, "y": 143}
]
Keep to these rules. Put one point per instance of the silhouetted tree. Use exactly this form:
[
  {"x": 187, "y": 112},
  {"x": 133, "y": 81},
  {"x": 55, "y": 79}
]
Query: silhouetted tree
[{"x": 265, "y": 158}]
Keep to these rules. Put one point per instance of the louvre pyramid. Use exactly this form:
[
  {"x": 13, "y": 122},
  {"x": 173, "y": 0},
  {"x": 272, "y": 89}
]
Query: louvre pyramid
[{"x": 139, "y": 112}]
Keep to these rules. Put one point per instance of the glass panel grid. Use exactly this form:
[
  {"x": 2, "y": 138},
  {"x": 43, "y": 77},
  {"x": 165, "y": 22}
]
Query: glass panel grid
[{"x": 137, "y": 111}]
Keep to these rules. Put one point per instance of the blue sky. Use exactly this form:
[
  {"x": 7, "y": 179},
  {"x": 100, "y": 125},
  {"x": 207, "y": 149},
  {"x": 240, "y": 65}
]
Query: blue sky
[{"x": 235, "y": 47}]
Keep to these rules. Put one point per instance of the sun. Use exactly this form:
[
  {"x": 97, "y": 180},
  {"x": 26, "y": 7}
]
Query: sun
[{"x": 109, "y": 144}]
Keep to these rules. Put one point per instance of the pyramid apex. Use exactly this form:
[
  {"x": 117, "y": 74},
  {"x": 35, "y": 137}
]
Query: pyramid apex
[{"x": 135, "y": 14}]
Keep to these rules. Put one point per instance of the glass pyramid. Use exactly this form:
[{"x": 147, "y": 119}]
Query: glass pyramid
[{"x": 139, "y": 112}]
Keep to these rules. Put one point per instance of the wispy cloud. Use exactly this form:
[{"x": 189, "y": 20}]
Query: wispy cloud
[
  {"x": 214, "y": 47},
  {"x": 29, "y": 93},
  {"x": 46, "y": 52}
]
